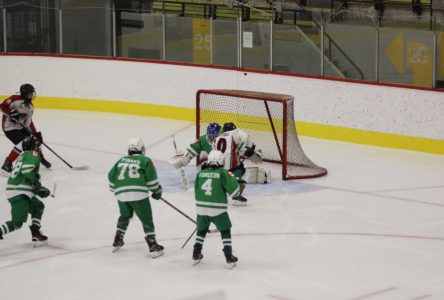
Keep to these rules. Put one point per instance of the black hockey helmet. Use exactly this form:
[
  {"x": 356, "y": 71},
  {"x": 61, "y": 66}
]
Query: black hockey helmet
[
  {"x": 27, "y": 91},
  {"x": 229, "y": 127},
  {"x": 32, "y": 142}
]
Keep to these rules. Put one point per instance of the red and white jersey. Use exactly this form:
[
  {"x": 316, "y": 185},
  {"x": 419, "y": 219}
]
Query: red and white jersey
[
  {"x": 25, "y": 114},
  {"x": 233, "y": 144}
]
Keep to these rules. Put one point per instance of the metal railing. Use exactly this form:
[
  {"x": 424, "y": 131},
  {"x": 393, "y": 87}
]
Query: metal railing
[{"x": 222, "y": 37}]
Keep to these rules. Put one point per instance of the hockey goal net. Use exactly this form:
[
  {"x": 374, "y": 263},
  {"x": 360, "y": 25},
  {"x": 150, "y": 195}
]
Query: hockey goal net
[{"x": 269, "y": 121}]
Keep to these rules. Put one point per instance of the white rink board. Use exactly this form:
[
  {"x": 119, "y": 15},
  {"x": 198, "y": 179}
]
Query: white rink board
[{"x": 368, "y": 107}]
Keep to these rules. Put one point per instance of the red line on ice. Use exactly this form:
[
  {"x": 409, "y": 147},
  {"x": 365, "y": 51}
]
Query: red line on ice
[
  {"x": 408, "y": 189},
  {"x": 375, "y": 293},
  {"x": 279, "y": 297},
  {"x": 421, "y": 297},
  {"x": 357, "y": 234}
]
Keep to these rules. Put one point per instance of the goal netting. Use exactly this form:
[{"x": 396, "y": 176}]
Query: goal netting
[{"x": 269, "y": 121}]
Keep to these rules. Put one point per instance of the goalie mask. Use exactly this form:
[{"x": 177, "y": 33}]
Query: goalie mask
[
  {"x": 213, "y": 131},
  {"x": 136, "y": 146},
  {"x": 216, "y": 159}
]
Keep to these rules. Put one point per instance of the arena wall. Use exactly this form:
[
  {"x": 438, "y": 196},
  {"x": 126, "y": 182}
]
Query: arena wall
[{"x": 375, "y": 114}]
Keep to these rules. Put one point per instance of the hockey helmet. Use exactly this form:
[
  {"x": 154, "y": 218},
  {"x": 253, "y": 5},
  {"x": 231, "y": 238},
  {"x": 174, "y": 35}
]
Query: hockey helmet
[
  {"x": 229, "y": 127},
  {"x": 215, "y": 159},
  {"x": 27, "y": 91},
  {"x": 31, "y": 142},
  {"x": 136, "y": 146},
  {"x": 213, "y": 130}
]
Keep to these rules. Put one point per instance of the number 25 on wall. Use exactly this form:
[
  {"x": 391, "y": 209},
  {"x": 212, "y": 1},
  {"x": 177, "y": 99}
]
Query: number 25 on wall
[
  {"x": 202, "y": 41},
  {"x": 418, "y": 55}
]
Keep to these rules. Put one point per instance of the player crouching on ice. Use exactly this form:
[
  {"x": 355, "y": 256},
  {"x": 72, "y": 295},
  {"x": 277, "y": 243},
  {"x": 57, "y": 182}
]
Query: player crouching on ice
[
  {"x": 211, "y": 187},
  {"x": 131, "y": 178},
  {"x": 236, "y": 146},
  {"x": 17, "y": 123},
  {"x": 21, "y": 190}
]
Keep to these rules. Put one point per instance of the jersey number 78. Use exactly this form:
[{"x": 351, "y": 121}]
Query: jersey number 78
[{"x": 132, "y": 170}]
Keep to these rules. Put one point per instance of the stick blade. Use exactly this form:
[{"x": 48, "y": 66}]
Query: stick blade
[
  {"x": 196, "y": 262},
  {"x": 53, "y": 190},
  {"x": 81, "y": 168},
  {"x": 115, "y": 249}
]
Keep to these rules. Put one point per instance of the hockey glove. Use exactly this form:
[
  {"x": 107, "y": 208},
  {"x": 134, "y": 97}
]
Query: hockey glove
[
  {"x": 249, "y": 151},
  {"x": 158, "y": 193},
  {"x": 253, "y": 155},
  {"x": 183, "y": 161},
  {"x": 43, "y": 192},
  {"x": 14, "y": 116}
]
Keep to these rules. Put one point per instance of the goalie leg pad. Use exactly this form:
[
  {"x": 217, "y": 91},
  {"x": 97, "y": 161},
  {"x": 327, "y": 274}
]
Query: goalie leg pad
[
  {"x": 257, "y": 175},
  {"x": 263, "y": 176},
  {"x": 256, "y": 157}
]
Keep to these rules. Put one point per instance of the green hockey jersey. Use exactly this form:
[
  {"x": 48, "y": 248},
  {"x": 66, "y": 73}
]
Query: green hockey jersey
[
  {"x": 200, "y": 145},
  {"x": 24, "y": 178},
  {"x": 211, "y": 188},
  {"x": 132, "y": 177}
]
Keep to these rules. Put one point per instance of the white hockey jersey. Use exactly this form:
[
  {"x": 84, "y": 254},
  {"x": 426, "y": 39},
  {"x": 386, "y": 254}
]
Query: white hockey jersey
[
  {"x": 233, "y": 144},
  {"x": 25, "y": 114}
]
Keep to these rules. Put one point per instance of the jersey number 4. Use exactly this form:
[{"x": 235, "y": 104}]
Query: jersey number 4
[
  {"x": 207, "y": 187},
  {"x": 132, "y": 170}
]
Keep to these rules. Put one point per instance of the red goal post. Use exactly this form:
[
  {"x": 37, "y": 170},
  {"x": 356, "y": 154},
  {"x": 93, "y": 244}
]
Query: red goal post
[{"x": 267, "y": 118}]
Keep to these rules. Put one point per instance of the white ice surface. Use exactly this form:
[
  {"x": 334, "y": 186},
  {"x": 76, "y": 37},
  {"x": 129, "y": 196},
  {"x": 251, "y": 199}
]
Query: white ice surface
[{"x": 372, "y": 229}]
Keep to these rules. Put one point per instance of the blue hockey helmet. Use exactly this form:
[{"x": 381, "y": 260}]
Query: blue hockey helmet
[{"x": 213, "y": 130}]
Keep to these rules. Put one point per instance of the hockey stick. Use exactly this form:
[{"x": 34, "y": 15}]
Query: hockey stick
[
  {"x": 186, "y": 242},
  {"x": 178, "y": 210},
  {"x": 69, "y": 165},
  {"x": 53, "y": 190},
  {"x": 184, "y": 214},
  {"x": 183, "y": 176}
]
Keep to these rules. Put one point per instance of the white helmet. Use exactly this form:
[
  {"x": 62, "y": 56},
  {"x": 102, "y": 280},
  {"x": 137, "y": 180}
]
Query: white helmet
[
  {"x": 136, "y": 145},
  {"x": 216, "y": 158}
]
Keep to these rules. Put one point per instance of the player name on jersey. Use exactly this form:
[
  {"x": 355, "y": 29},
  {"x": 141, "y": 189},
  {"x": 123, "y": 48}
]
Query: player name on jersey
[
  {"x": 209, "y": 175},
  {"x": 130, "y": 160}
]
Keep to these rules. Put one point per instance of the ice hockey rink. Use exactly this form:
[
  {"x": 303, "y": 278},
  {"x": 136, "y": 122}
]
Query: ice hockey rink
[{"x": 373, "y": 228}]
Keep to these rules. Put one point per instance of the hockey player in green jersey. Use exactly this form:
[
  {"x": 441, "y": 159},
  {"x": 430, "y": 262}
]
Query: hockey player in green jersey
[
  {"x": 21, "y": 190},
  {"x": 211, "y": 187},
  {"x": 131, "y": 178}
]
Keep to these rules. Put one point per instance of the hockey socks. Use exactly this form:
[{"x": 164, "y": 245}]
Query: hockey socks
[
  {"x": 14, "y": 154},
  {"x": 226, "y": 240}
]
